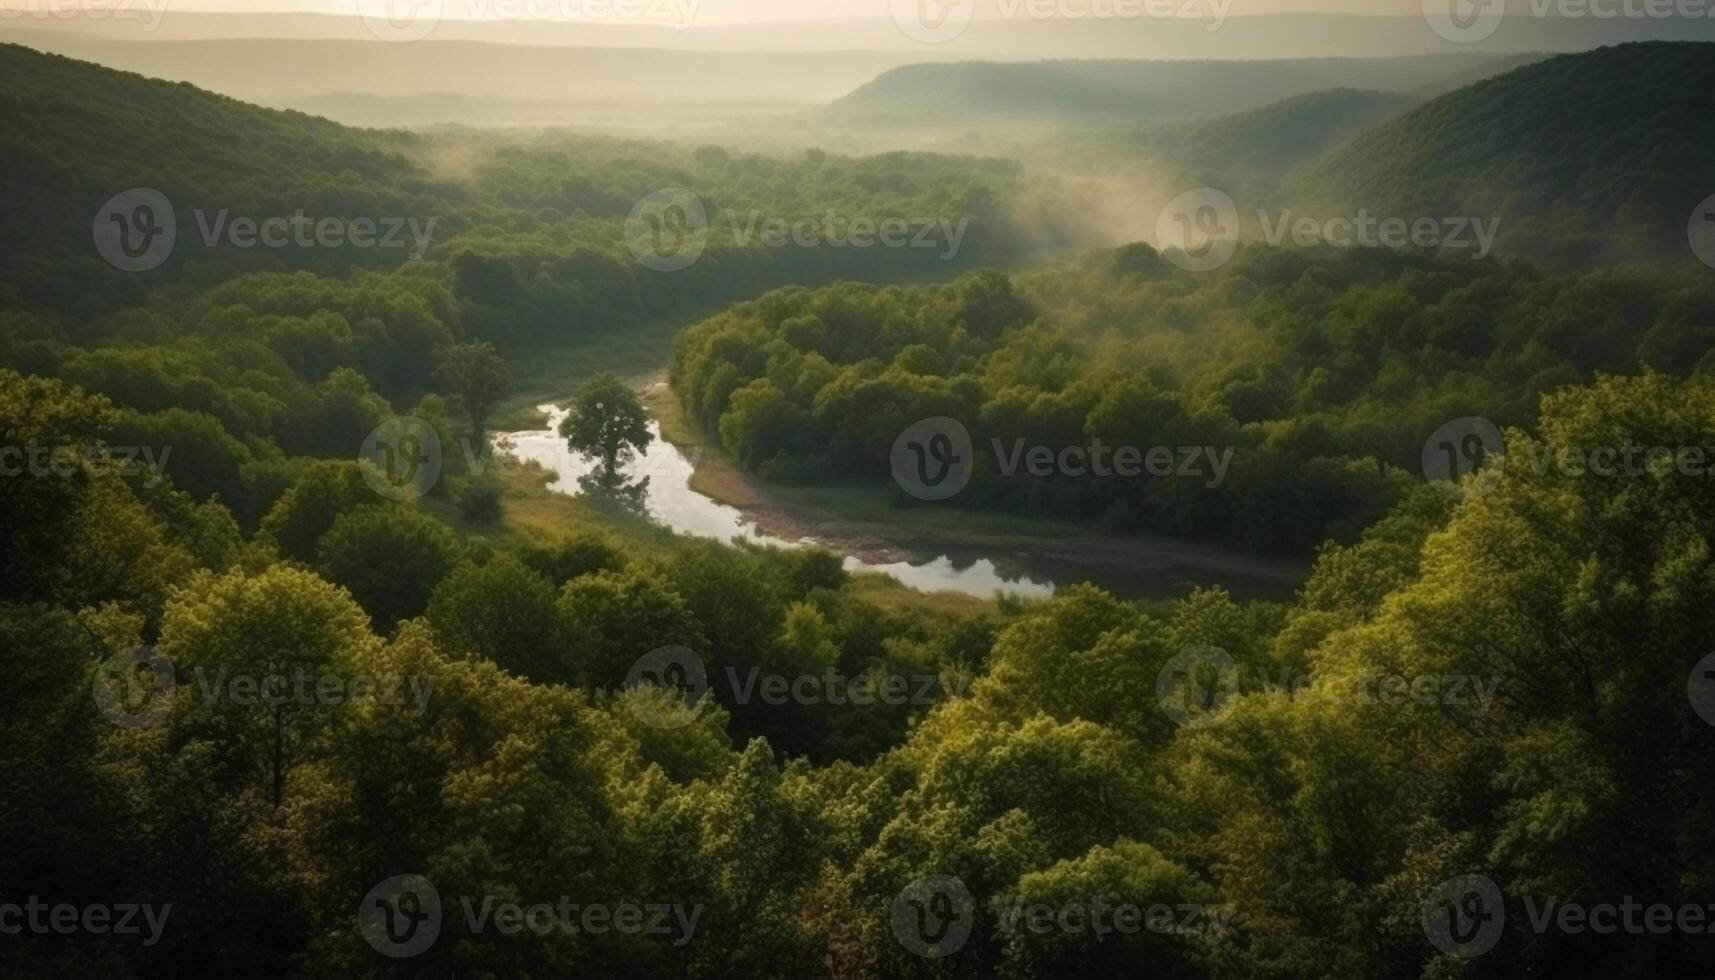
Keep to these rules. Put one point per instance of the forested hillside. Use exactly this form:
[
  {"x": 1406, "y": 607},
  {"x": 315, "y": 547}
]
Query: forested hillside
[
  {"x": 77, "y": 135},
  {"x": 533, "y": 227},
  {"x": 1245, "y": 153},
  {"x": 1071, "y": 92},
  {"x": 1594, "y": 157}
]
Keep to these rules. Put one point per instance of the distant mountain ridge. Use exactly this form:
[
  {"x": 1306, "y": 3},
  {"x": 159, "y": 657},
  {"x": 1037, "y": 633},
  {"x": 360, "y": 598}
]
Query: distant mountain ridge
[
  {"x": 276, "y": 71},
  {"x": 1397, "y": 30},
  {"x": 1062, "y": 92}
]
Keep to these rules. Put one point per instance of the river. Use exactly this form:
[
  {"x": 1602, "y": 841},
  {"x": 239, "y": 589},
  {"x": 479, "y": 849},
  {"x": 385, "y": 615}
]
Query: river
[{"x": 1153, "y": 570}]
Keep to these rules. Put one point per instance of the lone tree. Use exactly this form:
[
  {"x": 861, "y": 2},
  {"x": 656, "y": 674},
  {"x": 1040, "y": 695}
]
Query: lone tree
[
  {"x": 608, "y": 423},
  {"x": 476, "y": 374}
]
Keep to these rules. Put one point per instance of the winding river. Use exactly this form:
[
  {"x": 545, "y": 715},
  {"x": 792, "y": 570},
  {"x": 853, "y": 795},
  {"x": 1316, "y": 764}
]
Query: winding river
[{"x": 1155, "y": 570}]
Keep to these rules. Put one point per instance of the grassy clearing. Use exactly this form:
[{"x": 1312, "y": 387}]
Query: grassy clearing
[
  {"x": 716, "y": 476},
  {"x": 534, "y": 511},
  {"x": 550, "y": 373},
  {"x": 887, "y": 593}
]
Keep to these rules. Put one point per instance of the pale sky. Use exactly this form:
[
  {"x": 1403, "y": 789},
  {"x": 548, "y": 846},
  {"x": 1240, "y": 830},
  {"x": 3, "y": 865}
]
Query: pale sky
[{"x": 752, "y": 11}]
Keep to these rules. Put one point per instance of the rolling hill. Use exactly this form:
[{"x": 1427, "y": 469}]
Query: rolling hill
[
  {"x": 1061, "y": 93},
  {"x": 1583, "y": 158},
  {"x": 78, "y": 134},
  {"x": 1265, "y": 141}
]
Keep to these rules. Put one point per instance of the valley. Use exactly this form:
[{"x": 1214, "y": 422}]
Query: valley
[{"x": 948, "y": 492}]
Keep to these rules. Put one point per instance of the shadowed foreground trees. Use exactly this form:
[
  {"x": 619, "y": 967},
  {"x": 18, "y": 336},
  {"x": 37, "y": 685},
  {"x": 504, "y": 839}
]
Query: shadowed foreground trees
[{"x": 488, "y": 746}]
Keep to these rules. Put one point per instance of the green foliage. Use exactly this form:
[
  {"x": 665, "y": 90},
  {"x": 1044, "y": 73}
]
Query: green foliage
[
  {"x": 314, "y": 500},
  {"x": 43, "y": 415},
  {"x": 476, "y": 375},
  {"x": 614, "y": 618},
  {"x": 277, "y": 630},
  {"x": 1321, "y": 371},
  {"x": 607, "y": 423},
  {"x": 504, "y": 612},
  {"x": 1559, "y": 151},
  {"x": 1095, "y": 888},
  {"x": 390, "y": 556},
  {"x": 468, "y": 717}
]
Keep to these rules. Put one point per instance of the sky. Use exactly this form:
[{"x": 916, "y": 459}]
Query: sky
[{"x": 761, "y": 11}]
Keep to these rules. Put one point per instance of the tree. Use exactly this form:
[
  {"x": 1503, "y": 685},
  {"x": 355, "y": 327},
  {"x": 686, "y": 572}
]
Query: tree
[
  {"x": 478, "y": 378},
  {"x": 616, "y": 617},
  {"x": 41, "y": 412},
  {"x": 504, "y": 612},
  {"x": 310, "y": 505},
  {"x": 48, "y": 743},
  {"x": 390, "y": 557},
  {"x": 1127, "y": 874},
  {"x": 282, "y": 631},
  {"x": 609, "y": 424}
]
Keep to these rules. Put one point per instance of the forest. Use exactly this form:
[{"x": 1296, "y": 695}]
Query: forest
[
  {"x": 253, "y": 686},
  {"x": 1322, "y": 369}
]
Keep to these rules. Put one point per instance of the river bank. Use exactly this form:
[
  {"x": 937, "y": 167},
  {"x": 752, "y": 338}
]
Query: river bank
[{"x": 860, "y": 521}]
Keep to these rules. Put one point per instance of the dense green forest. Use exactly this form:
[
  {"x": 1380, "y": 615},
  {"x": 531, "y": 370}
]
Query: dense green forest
[
  {"x": 1324, "y": 370},
  {"x": 1594, "y": 158},
  {"x": 1504, "y": 678}
]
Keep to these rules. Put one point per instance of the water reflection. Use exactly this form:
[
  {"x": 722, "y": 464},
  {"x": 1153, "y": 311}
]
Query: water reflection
[{"x": 672, "y": 502}]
